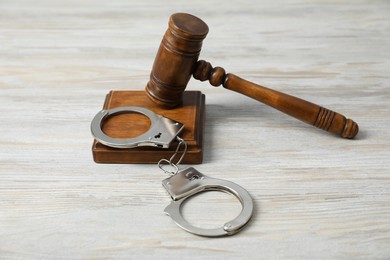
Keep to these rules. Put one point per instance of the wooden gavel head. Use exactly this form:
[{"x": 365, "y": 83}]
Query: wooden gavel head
[{"x": 177, "y": 60}]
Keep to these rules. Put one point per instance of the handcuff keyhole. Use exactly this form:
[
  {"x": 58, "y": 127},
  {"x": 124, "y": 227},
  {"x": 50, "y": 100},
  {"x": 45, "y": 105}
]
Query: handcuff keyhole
[
  {"x": 158, "y": 135},
  {"x": 194, "y": 177}
]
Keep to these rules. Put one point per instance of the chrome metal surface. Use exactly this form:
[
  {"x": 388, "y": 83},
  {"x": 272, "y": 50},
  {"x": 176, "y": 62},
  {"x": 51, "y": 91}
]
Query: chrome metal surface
[
  {"x": 163, "y": 163},
  {"x": 160, "y": 134},
  {"x": 189, "y": 182}
]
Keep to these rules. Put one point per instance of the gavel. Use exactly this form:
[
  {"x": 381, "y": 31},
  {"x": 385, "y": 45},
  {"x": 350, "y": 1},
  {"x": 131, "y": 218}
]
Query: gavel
[{"x": 177, "y": 60}]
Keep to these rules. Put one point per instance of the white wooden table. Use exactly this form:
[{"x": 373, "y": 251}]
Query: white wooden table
[{"x": 317, "y": 196}]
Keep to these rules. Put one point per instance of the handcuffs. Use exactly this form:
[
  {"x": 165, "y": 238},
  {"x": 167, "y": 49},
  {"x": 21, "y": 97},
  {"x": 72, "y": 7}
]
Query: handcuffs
[
  {"x": 182, "y": 184},
  {"x": 160, "y": 134}
]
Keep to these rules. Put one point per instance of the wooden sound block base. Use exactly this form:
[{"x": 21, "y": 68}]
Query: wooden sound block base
[{"x": 191, "y": 114}]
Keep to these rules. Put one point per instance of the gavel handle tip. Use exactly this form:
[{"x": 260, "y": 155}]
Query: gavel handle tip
[{"x": 350, "y": 130}]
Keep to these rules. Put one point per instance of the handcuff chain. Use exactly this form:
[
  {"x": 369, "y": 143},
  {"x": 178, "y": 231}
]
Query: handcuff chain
[{"x": 170, "y": 161}]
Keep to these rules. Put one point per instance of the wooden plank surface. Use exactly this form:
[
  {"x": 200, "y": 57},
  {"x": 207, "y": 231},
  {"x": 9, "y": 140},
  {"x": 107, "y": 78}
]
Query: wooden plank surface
[{"x": 316, "y": 195}]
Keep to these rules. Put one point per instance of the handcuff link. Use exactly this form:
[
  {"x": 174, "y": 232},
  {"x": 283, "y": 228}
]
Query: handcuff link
[{"x": 165, "y": 162}]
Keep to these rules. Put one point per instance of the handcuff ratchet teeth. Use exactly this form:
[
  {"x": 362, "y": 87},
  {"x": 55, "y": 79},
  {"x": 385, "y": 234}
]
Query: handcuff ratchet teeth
[
  {"x": 189, "y": 182},
  {"x": 160, "y": 134}
]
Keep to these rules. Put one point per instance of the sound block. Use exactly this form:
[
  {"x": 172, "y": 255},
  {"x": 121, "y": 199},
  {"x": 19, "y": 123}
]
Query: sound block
[{"x": 191, "y": 114}]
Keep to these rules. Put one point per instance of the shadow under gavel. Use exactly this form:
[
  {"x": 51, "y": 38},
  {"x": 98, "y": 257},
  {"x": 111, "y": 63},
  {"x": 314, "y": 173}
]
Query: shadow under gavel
[{"x": 177, "y": 60}]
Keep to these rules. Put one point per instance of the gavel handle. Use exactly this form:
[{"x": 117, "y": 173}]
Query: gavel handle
[{"x": 303, "y": 110}]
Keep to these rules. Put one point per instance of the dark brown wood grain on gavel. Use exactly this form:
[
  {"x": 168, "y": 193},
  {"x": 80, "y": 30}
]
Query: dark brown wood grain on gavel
[{"x": 177, "y": 60}]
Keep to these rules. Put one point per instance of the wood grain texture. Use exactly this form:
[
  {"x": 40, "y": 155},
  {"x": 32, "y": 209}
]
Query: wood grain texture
[
  {"x": 129, "y": 125},
  {"x": 316, "y": 196},
  {"x": 303, "y": 110},
  {"x": 175, "y": 60}
]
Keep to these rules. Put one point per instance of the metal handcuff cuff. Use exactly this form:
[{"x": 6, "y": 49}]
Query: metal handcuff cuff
[{"x": 182, "y": 184}]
